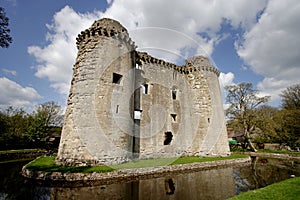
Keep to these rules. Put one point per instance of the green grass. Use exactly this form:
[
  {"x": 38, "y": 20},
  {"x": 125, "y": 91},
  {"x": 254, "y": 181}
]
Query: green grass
[
  {"x": 21, "y": 151},
  {"x": 279, "y": 152},
  {"x": 16, "y": 160},
  {"x": 47, "y": 163},
  {"x": 288, "y": 189},
  {"x": 193, "y": 159},
  {"x": 266, "y": 151}
]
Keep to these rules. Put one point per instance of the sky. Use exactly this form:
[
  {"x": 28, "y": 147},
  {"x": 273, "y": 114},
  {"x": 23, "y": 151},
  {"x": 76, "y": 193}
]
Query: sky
[{"x": 253, "y": 41}]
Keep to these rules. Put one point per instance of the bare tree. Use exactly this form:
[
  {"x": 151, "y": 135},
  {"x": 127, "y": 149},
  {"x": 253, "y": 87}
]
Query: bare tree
[{"x": 244, "y": 100}]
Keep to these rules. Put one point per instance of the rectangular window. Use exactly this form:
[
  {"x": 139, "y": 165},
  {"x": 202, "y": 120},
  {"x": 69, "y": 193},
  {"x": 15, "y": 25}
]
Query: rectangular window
[
  {"x": 145, "y": 88},
  {"x": 137, "y": 114},
  {"x": 116, "y": 78},
  {"x": 174, "y": 94}
]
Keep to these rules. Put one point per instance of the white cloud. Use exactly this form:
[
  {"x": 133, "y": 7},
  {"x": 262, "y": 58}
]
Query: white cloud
[
  {"x": 11, "y": 72},
  {"x": 57, "y": 58},
  {"x": 178, "y": 30},
  {"x": 13, "y": 94},
  {"x": 272, "y": 47},
  {"x": 226, "y": 79},
  {"x": 190, "y": 19}
]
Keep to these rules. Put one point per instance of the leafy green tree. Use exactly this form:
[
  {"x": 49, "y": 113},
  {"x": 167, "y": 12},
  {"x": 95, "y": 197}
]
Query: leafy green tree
[
  {"x": 291, "y": 98},
  {"x": 41, "y": 121},
  {"x": 291, "y": 112},
  {"x": 5, "y": 37},
  {"x": 13, "y": 125},
  {"x": 270, "y": 126},
  {"x": 244, "y": 100}
]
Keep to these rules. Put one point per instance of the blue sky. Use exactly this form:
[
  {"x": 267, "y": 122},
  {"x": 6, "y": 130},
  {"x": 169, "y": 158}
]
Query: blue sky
[{"x": 250, "y": 41}]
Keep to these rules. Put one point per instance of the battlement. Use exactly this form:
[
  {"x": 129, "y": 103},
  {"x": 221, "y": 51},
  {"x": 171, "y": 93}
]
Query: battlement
[
  {"x": 196, "y": 63},
  {"x": 108, "y": 28}
]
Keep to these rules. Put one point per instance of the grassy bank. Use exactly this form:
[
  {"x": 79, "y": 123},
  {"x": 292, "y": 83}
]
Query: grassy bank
[
  {"x": 21, "y": 151},
  {"x": 20, "y": 155},
  {"x": 279, "y": 152},
  {"x": 47, "y": 163},
  {"x": 288, "y": 189},
  {"x": 239, "y": 150}
]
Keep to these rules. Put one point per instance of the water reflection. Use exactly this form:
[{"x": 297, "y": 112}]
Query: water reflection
[{"x": 209, "y": 184}]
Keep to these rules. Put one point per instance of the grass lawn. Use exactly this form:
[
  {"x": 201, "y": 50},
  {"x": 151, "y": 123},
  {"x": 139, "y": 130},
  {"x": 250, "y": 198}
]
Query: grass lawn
[
  {"x": 21, "y": 151},
  {"x": 47, "y": 163},
  {"x": 279, "y": 152},
  {"x": 266, "y": 151},
  {"x": 288, "y": 189}
]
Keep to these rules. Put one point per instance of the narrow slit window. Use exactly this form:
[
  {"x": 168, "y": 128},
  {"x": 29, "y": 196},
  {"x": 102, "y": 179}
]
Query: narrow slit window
[
  {"x": 174, "y": 94},
  {"x": 116, "y": 78},
  {"x": 145, "y": 89},
  {"x": 168, "y": 138},
  {"x": 117, "y": 109},
  {"x": 174, "y": 117},
  {"x": 208, "y": 120}
]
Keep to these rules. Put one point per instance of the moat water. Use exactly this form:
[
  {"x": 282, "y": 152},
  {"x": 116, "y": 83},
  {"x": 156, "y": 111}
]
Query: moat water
[{"x": 221, "y": 183}]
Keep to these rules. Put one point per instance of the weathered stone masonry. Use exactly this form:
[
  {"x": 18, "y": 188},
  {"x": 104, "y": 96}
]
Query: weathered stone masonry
[{"x": 125, "y": 104}]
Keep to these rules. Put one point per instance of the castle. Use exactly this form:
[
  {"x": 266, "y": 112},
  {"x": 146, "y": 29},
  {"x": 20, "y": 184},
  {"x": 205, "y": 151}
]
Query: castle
[{"x": 125, "y": 104}]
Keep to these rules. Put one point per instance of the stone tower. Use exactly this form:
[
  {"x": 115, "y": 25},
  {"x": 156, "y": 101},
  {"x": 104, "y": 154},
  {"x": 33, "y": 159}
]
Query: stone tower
[{"x": 125, "y": 104}]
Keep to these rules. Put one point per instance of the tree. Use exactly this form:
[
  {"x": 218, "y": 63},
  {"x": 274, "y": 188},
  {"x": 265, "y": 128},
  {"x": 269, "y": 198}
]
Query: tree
[
  {"x": 5, "y": 38},
  {"x": 291, "y": 111},
  {"x": 13, "y": 126},
  {"x": 45, "y": 117},
  {"x": 291, "y": 98},
  {"x": 269, "y": 125},
  {"x": 244, "y": 100}
]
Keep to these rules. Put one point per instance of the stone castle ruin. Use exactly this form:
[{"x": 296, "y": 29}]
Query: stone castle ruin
[{"x": 125, "y": 104}]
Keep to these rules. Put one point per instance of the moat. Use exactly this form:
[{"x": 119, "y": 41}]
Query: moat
[{"x": 221, "y": 183}]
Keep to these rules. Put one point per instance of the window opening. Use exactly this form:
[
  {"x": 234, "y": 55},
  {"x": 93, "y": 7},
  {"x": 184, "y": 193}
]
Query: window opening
[
  {"x": 145, "y": 88},
  {"x": 137, "y": 66},
  {"x": 137, "y": 114},
  {"x": 174, "y": 116},
  {"x": 168, "y": 138},
  {"x": 208, "y": 120},
  {"x": 174, "y": 75},
  {"x": 117, "y": 109},
  {"x": 174, "y": 94},
  {"x": 116, "y": 78}
]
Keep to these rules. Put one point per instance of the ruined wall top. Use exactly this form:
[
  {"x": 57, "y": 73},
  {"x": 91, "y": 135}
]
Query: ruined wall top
[
  {"x": 112, "y": 28},
  {"x": 105, "y": 27},
  {"x": 195, "y": 63},
  {"x": 108, "y": 24}
]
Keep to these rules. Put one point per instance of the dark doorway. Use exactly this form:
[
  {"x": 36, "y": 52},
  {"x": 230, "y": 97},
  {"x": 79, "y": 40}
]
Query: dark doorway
[{"x": 168, "y": 138}]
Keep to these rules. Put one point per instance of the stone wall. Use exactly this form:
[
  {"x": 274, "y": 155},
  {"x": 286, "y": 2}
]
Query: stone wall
[{"x": 125, "y": 104}]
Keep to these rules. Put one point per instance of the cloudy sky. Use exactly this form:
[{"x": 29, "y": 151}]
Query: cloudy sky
[{"x": 253, "y": 41}]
